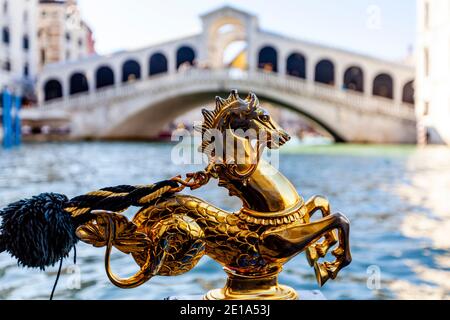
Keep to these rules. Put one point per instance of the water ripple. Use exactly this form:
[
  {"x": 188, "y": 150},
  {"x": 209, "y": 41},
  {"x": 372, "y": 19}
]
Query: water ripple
[{"x": 395, "y": 197}]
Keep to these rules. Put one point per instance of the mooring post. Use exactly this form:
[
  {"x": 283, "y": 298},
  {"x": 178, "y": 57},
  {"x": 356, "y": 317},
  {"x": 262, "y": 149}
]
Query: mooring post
[
  {"x": 6, "y": 119},
  {"x": 17, "y": 127}
]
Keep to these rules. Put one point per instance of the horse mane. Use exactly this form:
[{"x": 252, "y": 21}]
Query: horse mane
[{"x": 211, "y": 117}]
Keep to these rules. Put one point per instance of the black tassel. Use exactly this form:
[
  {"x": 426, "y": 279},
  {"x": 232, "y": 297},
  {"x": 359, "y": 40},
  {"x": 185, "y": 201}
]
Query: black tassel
[{"x": 38, "y": 231}]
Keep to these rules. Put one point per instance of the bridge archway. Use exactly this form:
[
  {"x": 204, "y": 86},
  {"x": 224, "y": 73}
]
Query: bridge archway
[
  {"x": 227, "y": 42},
  {"x": 157, "y": 64},
  {"x": 268, "y": 59},
  {"x": 383, "y": 86},
  {"x": 185, "y": 56},
  {"x": 296, "y": 65},
  {"x": 408, "y": 92},
  {"x": 53, "y": 90},
  {"x": 78, "y": 83},
  {"x": 131, "y": 70},
  {"x": 354, "y": 79},
  {"x": 324, "y": 72},
  {"x": 161, "y": 112},
  {"x": 104, "y": 77}
]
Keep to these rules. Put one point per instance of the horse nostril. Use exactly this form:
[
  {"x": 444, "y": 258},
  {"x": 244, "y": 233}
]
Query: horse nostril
[{"x": 285, "y": 135}]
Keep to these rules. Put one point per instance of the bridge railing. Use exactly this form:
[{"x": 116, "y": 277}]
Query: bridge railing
[{"x": 235, "y": 78}]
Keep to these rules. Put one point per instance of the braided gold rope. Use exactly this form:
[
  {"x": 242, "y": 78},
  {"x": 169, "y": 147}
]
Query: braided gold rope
[
  {"x": 107, "y": 194},
  {"x": 76, "y": 211},
  {"x": 154, "y": 195}
]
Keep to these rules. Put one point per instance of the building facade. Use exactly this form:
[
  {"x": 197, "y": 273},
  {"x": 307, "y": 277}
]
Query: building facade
[
  {"x": 433, "y": 71},
  {"x": 18, "y": 43},
  {"x": 62, "y": 34},
  {"x": 34, "y": 33}
]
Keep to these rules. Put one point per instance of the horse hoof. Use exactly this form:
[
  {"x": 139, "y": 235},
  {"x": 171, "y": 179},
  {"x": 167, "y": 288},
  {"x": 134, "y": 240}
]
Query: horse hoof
[
  {"x": 322, "y": 249},
  {"x": 322, "y": 274},
  {"x": 338, "y": 252},
  {"x": 333, "y": 239}
]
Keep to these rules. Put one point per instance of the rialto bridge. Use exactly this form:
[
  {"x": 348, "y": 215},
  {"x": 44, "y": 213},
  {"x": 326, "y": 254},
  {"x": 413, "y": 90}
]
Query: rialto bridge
[{"x": 136, "y": 93}]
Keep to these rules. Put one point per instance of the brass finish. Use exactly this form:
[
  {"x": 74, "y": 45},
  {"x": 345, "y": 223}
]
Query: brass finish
[{"x": 169, "y": 236}]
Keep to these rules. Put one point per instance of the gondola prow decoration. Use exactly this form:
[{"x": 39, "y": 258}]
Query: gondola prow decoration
[{"x": 172, "y": 231}]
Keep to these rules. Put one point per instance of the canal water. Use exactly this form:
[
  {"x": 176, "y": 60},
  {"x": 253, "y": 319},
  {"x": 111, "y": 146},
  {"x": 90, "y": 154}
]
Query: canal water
[{"x": 395, "y": 196}]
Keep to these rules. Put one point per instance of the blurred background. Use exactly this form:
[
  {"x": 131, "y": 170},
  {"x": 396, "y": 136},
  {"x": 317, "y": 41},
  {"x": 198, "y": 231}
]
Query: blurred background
[{"x": 92, "y": 91}]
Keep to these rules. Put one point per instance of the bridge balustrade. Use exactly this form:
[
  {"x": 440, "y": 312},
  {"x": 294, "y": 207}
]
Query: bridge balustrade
[{"x": 234, "y": 78}]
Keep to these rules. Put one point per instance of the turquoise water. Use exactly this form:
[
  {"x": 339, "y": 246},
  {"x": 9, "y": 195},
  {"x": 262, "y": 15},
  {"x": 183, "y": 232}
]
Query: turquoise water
[{"x": 395, "y": 196}]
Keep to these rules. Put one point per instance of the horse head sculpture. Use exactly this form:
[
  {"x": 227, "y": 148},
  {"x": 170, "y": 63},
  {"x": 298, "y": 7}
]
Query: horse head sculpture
[{"x": 173, "y": 231}]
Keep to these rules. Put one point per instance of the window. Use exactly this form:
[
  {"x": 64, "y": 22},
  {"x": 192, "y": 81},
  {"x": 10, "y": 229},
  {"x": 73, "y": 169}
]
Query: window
[
  {"x": 26, "y": 70},
  {"x": 5, "y": 35},
  {"x": 78, "y": 83},
  {"x": 268, "y": 59},
  {"x": 25, "y": 43},
  {"x": 80, "y": 42},
  {"x": 131, "y": 70},
  {"x": 383, "y": 86},
  {"x": 427, "y": 14},
  {"x": 325, "y": 72},
  {"x": 52, "y": 90},
  {"x": 68, "y": 37},
  {"x": 43, "y": 56},
  {"x": 157, "y": 64},
  {"x": 7, "y": 65},
  {"x": 5, "y": 7},
  {"x": 185, "y": 56},
  {"x": 354, "y": 79},
  {"x": 426, "y": 108},
  {"x": 426, "y": 59},
  {"x": 296, "y": 65},
  {"x": 104, "y": 77},
  {"x": 408, "y": 92}
]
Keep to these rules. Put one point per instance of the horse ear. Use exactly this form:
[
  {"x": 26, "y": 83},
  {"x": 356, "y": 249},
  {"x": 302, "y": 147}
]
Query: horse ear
[
  {"x": 220, "y": 103},
  {"x": 253, "y": 100},
  {"x": 208, "y": 116},
  {"x": 234, "y": 95}
]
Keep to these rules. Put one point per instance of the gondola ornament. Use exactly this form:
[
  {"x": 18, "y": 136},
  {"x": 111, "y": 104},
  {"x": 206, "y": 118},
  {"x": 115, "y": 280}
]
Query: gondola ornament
[{"x": 173, "y": 231}]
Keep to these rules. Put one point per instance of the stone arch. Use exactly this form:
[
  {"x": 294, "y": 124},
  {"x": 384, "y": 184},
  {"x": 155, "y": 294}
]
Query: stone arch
[
  {"x": 157, "y": 64},
  {"x": 185, "y": 56},
  {"x": 408, "y": 92},
  {"x": 268, "y": 59},
  {"x": 325, "y": 72},
  {"x": 104, "y": 77},
  {"x": 354, "y": 79},
  {"x": 78, "y": 83},
  {"x": 296, "y": 65},
  {"x": 131, "y": 70},
  {"x": 383, "y": 86},
  {"x": 53, "y": 89},
  {"x": 160, "y": 113},
  {"x": 227, "y": 42}
]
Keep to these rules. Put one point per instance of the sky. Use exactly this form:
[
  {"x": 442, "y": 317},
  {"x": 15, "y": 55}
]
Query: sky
[{"x": 381, "y": 28}]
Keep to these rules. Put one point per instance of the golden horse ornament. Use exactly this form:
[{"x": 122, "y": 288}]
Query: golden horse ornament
[{"x": 170, "y": 234}]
